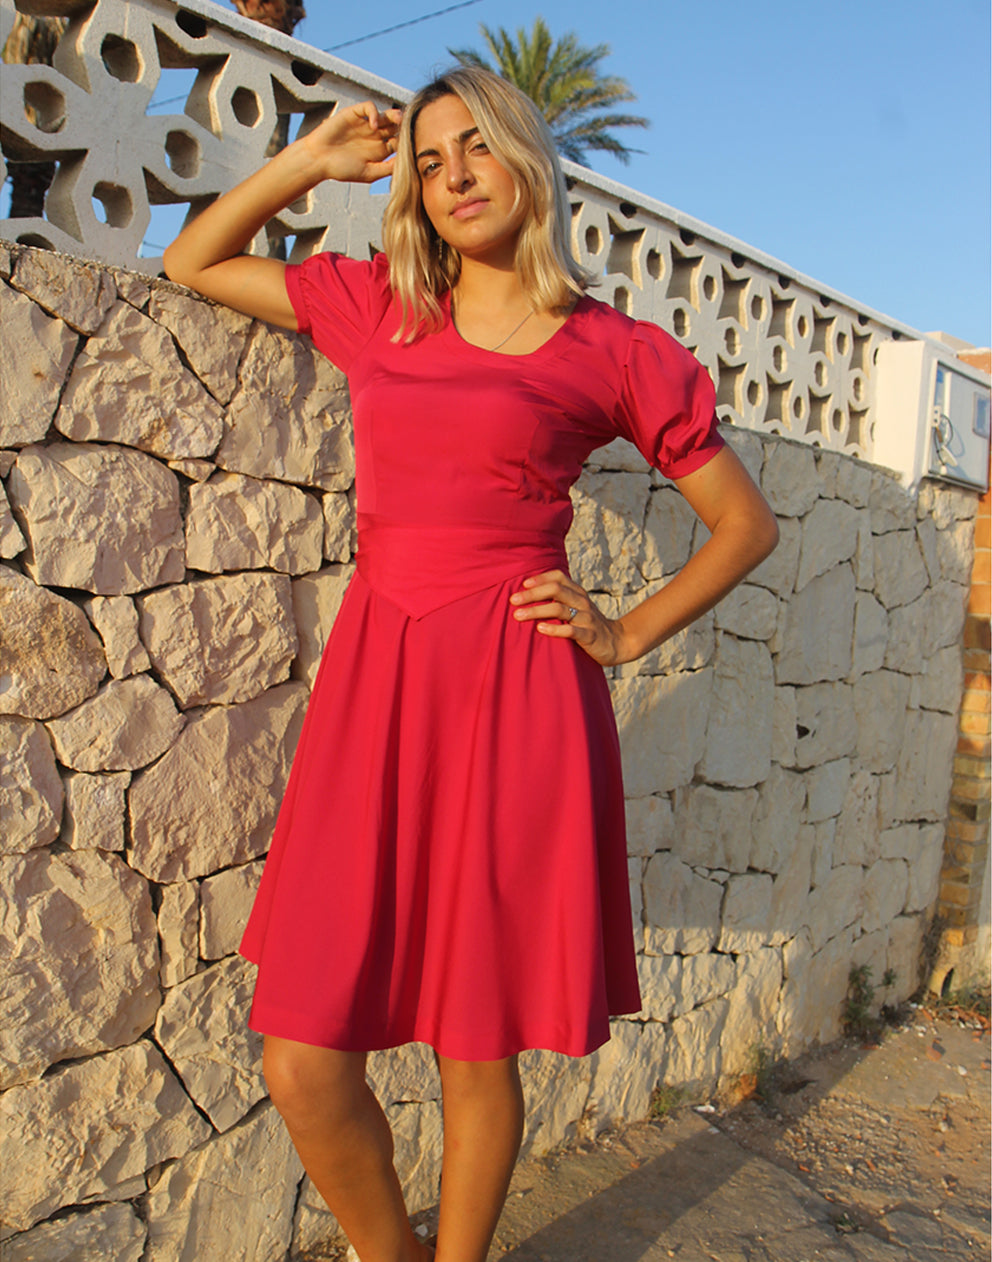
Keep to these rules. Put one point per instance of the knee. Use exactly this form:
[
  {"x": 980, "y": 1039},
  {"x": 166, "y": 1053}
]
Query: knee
[
  {"x": 470, "y": 1079},
  {"x": 306, "y": 1083}
]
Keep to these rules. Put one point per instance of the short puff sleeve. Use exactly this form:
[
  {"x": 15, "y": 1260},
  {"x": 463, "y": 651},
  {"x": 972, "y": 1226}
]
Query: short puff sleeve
[
  {"x": 666, "y": 403},
  {"x": 339, "y": 302}
]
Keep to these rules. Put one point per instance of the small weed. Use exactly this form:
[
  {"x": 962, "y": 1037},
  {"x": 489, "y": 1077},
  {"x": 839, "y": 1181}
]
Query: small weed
[
  {"x": 858, "y": 1020},
  {"x": 664, "y": 1100},
  {"x": 762, "y": 1065}
]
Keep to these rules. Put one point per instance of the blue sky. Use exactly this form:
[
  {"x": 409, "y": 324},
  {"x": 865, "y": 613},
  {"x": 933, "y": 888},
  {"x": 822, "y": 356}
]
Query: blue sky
[{"x": 851, "y": 141}]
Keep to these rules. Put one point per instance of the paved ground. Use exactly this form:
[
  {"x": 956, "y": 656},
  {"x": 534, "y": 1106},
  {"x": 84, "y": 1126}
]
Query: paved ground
[{"x": 856, "y": 1155}]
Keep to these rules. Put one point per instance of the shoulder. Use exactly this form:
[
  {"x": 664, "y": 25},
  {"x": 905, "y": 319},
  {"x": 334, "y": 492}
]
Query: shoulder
[{"x": 631, "y": 342}]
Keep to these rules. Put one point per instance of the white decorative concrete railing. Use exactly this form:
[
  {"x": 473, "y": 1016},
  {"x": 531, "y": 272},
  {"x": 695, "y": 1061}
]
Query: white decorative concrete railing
[{"x": 788, "y": 356}]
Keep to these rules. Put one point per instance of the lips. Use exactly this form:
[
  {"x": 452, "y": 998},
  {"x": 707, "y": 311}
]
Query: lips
[{"x": 464, "y": 209}]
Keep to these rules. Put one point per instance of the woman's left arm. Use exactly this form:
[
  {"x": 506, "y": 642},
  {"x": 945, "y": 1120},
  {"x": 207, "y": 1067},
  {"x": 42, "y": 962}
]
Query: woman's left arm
[{"x": 743, "y": 531}]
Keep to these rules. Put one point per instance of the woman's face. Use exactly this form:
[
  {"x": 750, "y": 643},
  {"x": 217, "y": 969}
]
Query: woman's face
[{"x": 468, "y": 196}]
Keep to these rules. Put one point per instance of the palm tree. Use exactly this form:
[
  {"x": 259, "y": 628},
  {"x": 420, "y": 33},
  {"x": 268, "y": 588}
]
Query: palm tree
[{"x": 564, "y": 80}]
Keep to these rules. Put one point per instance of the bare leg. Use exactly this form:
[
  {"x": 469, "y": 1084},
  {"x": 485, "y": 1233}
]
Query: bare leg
[
  {"x": 345, "y": 1144},
  {"x": 483, "y": 1126}
]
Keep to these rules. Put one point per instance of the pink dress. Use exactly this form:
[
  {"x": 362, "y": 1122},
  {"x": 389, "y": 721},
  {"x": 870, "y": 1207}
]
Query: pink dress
[{"x": 449, "y": 864}]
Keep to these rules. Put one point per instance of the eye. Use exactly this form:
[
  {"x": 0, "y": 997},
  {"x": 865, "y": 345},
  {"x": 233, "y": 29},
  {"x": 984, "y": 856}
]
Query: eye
[
  {"x": 428, "y": 169},
  {"x": 480, "y": 146}
]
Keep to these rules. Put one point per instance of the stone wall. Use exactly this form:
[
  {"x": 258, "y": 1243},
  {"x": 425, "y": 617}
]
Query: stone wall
[{"x": 176, "y": 537}]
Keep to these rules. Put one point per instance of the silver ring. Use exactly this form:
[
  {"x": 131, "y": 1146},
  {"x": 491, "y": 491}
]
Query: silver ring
[{"x": 571, "y": 613}]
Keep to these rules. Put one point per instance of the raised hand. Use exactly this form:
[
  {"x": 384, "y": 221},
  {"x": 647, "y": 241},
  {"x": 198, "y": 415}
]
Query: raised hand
[{"x": 355, "y": 144}]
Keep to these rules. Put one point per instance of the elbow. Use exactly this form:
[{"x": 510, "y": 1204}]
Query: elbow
[{"x": 768, "y": 535}]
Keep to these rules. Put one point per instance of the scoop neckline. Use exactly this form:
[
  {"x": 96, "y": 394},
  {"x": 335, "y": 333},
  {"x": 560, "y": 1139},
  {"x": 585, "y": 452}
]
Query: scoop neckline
[{"x": 547, "y": 348}]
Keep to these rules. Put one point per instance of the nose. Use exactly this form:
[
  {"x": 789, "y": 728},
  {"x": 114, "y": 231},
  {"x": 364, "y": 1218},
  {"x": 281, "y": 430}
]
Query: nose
[{"x": 459, "y": 175}]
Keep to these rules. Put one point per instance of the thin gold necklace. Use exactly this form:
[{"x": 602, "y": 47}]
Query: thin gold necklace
[{"x": 516, "y": 329}]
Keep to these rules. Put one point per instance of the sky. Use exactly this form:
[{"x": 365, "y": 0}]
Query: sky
[{"x": 851, "y": 141}]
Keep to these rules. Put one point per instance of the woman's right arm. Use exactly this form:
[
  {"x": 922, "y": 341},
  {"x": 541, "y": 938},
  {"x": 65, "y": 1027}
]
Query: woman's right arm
[{"x": 351, "y": 145}]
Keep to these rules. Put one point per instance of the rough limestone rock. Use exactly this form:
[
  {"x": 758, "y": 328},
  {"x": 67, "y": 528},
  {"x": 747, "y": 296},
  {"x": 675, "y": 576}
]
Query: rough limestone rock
[
  {"x": 923, "y": 771},
  {"x": 116, "y": 621},
  {"x": 778, "y": 571},
  {"x": 225, "y": 902},
  {"x": 95, "y": 808},
  {"x": 52, "y": 659},
  {"x": 826, "y": 789},
  {"x": 955, "y": 552},
  {"x": 668, "y": 531},
  {"x": 864, "y": 557},
  {"x": 749, "y": 612},
  {"x": 127, "y": 725},
  {"x": 89, "y": 1127},
  {"x": 681, "y": 909},
  {"x": 791, "y": 886},
  {"x": 212, "y": 800},
  {"x": 853, "y": 481},
  {"x": 789, "y": 478},
  {"x": 926, "y": 536},
  {"x": 751, "y": 1014},
  {"x": 35, "y": 353},
  {"x": 195, "y": 470},
  {"x": 662, "y": 725},
  {"x": 826, "y": 723},
  {"x": 556, "y": 1092},
  {"x": 830, "y": 536},
  {"x": 231, "y": 1198},
  {"x": 692, "y": 1051},
  {"x": 940, "y": 687},
  {"x": 201, "y": 1028},
  {"x": 100, "y": 518},
  {"x": 290, "y": 417},
  {"x": 773, "y": 827},
  {"x": 75, "y": 293},
  {"x": 107, "y": 1231},
  {"x": 813, "y": 994},
  {"x": 713, "y": 827},
  {"x": 892, "y": 506},
  {"x": 625, "y": 1071},
  {"x": 77, "y": 929},
  {"x": 738, "y": 746},
  {"x": 12, "y": 541},
  {"x": 784, "y": 727},
  {"x": 128, "y": 385},
  {"x": 403, "y": 1075},
  {"x": 819, "y": 630},
  {"x": 606, "y": 543},
  {"x": 689, "y": 649},
  {"x": 923, "y": 860},
  {"x": 871, "y": 634},
  {"x": 220, "y": 639},
  {"x": 417, "y": 1132},
  {"x": 316, "y": 601},
  {"x": 885, "y": 889},
  {"x": 212, "y": 337},
  {"x": 660, "y": 981},
  {"x": 880, "y": 702},
  {"x": 900, "y": 572},
  {"x": 30, "y": 788},
  {"x": 746, "y": 918},
  {"x": 241, "y": 523},
  {"x": 339, "y": 527},
  {"x": 910, "y": 635},
  {"x": 946, "y": 503},
  {"x": 178, "y": 925},
  {"x": 949, "y": 602},
  {"x": 904, "y": 955},
  {"x": 650, "y": 825},
  {"x": 835, "y": 904}
]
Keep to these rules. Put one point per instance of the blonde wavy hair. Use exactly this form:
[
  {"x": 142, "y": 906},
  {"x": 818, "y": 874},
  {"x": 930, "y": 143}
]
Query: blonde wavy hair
[{"x": 422, "y": 266}]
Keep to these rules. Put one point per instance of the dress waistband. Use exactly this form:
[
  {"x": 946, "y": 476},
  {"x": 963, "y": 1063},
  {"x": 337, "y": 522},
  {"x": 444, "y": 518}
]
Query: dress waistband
[{"x": 422, "y": 567}]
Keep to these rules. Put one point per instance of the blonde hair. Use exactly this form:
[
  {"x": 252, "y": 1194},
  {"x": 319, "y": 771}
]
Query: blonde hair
[{"x": 422, "y": 266}]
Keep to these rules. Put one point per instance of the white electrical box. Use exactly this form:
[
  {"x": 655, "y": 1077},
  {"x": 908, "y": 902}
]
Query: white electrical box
[{"x": 931, "y": 414}]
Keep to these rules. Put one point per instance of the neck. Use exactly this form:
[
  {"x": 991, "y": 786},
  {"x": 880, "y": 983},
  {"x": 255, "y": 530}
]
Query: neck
[{"x": 485, "y": 285}]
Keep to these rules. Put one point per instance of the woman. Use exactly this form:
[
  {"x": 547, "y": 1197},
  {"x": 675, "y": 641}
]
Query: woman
[{"x": 449, "y": 863}]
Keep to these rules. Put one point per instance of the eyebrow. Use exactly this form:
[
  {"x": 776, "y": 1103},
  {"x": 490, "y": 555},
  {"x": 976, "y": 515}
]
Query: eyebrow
[{"x": 462, "y": 137}]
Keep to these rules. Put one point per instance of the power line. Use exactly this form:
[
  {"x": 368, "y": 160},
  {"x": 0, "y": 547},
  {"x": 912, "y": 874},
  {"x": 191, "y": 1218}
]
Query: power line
[{"x": 388, "y": 30}]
